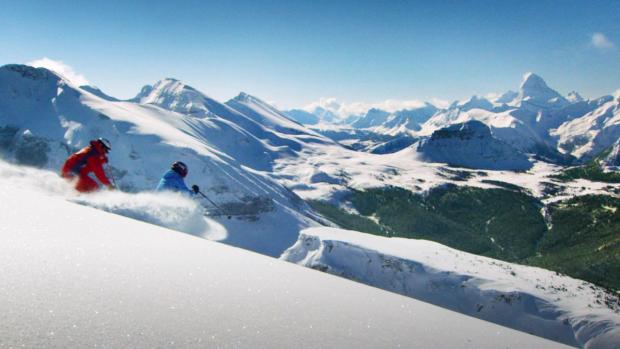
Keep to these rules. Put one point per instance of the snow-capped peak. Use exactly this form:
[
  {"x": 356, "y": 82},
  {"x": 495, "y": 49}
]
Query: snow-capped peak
[
  {"x": 266, "y": 114},
  {"x": 475, "y": 102},
  {"x": 32, "y": 73},
  {"x": 244, "y": 97},
  {"x": 507, "y": 97},
  {"x": 173, "y": 94},
  {"x": 574, "y": 97},
  {"x": 535, "y": 94},
  {"x": 533, "y": 81}
]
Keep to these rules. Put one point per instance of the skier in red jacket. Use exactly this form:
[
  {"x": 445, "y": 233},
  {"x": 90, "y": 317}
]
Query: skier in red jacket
[{"x": 87, "y": 160}]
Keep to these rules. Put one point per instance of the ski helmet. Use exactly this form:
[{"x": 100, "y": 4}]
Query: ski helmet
[
  {"x": 107, "y": 146},
  {"x": 180, "y": 168}
]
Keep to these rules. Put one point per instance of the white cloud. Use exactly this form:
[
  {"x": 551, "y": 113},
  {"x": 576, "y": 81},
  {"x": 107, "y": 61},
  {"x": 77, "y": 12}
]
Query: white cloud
[
  {"x": 601, "y": 42},
  {"x": 343, "y": 110},
  {"x": 61, "y": 69}
]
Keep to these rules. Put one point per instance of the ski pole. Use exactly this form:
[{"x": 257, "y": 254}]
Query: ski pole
[
  {"x": 212, "y": 203},
  {"x": 109, "y": 170}
]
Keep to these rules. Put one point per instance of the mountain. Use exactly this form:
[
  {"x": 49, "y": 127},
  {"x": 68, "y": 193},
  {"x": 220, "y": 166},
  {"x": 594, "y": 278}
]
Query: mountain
[
  {"x": 471, "y": 144},
  {"x": 373, "y": 117},
  {"x": 255, "y": 120},
  {"x": 172, "y": 94},
  {"x": 313, "y": 117},
  {"x": 506, "y": 98},
  {"x": 613, "y": 159},
  {"x": 574, "y": 97},
  {"x": 538, "y": 120},
  {"x": 96, "y": 279},
  {"x": 97, "y": 92},
  {"x": 507, "y": 126},
  {"x": 394, "y": 145},
  {"x": 526, "y": 298},
  {"x": 43, "y": 118},
  {"x": 410, "y": 119},
  {"x": 248, "y": 156},
  {"x": 397, "y": 122},
  {"x": 476, "y": 102},
  {"x": 302, "y": 116},
  {"x": 534, "y": 94},
  {"x": 266, "y": 115},
  {"x": 588, "y": 135}
]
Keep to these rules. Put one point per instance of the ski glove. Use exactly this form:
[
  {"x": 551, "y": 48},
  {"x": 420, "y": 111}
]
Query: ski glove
[{"x": 195, "y": 189}]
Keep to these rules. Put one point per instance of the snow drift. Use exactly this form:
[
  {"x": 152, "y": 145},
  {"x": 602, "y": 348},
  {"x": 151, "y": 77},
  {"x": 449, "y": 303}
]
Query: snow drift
[{"x": 529, "y": 299}]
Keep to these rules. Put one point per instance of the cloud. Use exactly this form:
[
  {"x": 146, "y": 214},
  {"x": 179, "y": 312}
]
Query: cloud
[
  {"x": 61, "y": 69},
  {"x": 601, "y": 42},
  {"x": 343, "y": 110}
]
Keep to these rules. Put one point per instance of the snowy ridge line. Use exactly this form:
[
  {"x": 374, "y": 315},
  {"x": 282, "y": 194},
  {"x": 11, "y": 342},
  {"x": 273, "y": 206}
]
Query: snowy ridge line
[
  {"x": 525, "y": 298},
  {"x": 537, "y": 120},
  {"x": 44, "y": 119}
]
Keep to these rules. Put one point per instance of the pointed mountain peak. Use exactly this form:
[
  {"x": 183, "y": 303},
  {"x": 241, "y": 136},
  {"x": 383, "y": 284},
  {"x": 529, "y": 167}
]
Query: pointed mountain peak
[
  {"x": 533, "y": 81},
  {"x": 244, "y": 97},
  {"x": 475, "y": 102},
  {"x": 172, "y": 94},
  {"x": 574, "y": 97},
  {"x": 167, "y": 82},
  {"x": 534, "y": 94}
]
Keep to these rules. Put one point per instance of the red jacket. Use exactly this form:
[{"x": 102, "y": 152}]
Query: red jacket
[{"x": 87, "y": 160}]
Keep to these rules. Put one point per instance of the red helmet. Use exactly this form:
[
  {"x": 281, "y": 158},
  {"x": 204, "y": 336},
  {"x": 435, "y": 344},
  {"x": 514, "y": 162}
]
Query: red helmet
[{"x": 180, "y": 168}]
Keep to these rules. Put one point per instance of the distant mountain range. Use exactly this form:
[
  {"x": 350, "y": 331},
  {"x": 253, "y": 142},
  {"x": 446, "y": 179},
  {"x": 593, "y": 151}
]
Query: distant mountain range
[{"x": 535, "y": 120}]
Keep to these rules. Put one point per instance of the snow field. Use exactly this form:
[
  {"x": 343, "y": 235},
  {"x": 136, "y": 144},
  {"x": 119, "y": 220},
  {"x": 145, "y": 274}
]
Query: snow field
[
  {"x": 526, "y": 298},
  {"x": 75, "y": 276}
]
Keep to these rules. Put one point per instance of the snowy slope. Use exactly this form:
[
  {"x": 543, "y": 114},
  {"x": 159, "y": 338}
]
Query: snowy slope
[
  {"x": 373, "y": 117},
  {"x": 526, "y": 298},
  {"x": 280, "y": 135},
  {"x": 507, "y": 125},
  {"x": 267, "y": 115},
  {"x": 330, "y": 174},
  {"x": 613, "y": 159},
  {"x": 302, "y": 116},
  {"x": 73, "y": 276},
  {"x": 591, "y": 133},
  {"x": 44, "y": 118},
  {"x": 471, "y": 144}
]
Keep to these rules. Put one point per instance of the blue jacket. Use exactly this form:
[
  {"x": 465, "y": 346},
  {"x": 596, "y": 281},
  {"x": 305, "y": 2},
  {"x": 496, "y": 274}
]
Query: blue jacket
[{"x": 173, "y": 181}]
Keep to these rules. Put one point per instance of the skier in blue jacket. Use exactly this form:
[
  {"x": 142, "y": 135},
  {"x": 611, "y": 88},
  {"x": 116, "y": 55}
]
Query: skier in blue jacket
[{"x": 173, "y": 180}]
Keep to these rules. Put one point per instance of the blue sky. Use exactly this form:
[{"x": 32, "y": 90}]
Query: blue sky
[{"x": 295, "y": 52}]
